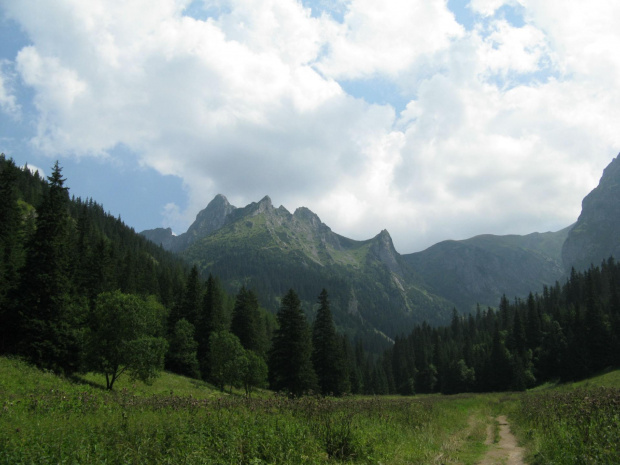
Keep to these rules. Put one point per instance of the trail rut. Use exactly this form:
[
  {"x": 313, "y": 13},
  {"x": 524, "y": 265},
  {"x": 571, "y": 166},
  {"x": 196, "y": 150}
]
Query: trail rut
[{"x": 506, "y": 451}]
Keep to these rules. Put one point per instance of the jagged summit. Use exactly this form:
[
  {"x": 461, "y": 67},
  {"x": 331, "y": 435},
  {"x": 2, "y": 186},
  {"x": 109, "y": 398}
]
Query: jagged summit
[
  {"x": 211, "y": 218},
  {"x": 596, "y": 235},
  {"x": 219, "y": 213},
  {"x": 306, "y": 215},
  {"x": 371, "y": 285},
  {"x": 383, "y": 246}
]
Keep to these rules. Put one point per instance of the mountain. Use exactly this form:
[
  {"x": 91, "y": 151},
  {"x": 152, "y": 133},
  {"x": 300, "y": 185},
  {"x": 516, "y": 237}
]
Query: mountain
[
  {"x": 596, "y": 235},
  {"x": 208, "y": 220},
  {"x": 272, "y": 250},
  {"x": 481, "y": 269},
  {"x": 372, "y": 287}
]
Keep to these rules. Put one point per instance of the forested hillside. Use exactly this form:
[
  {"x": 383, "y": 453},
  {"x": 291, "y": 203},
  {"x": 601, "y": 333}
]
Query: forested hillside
[
  {"x": 58, "y": 254},
  {"x": 81, "y": 291},
  {"x": 568, "y": 332}
]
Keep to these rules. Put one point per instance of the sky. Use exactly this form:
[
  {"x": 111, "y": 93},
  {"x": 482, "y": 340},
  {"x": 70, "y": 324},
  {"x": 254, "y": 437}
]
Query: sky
[{"x": 432, "y": 119}]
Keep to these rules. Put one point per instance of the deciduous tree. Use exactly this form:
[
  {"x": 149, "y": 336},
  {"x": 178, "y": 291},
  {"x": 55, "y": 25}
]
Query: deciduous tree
[{"x": 126, "y": 337}]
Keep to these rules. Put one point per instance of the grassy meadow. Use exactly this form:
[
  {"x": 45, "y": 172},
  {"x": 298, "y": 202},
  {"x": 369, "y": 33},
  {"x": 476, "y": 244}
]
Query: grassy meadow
[{"x": 47, "y": 419}]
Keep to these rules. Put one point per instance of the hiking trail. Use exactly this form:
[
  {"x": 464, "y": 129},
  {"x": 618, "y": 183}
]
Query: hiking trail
[{"x": 506, "y": 451}]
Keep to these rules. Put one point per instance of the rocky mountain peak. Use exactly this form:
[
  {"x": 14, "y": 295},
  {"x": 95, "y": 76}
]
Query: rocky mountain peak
[
  {"x": 212, "y": 218},
  {"x": 595, "y": 236},
  {"x": 308, "y": 216},
  {"x": 264, "y": 204},
  {"x": 383, "y": 247},
  {"x": 162, "y": 236}
]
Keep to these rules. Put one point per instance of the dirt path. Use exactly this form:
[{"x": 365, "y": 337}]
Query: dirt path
[{"x": 506, "y": 451}]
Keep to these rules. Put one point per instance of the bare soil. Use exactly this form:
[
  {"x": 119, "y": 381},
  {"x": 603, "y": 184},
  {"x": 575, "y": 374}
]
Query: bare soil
[{"x": 506, "y": 451}]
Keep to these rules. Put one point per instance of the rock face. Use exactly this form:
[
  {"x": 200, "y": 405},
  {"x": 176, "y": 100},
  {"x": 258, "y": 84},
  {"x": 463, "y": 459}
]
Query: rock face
[
  {"x": 596, "y": 235},
  {"x": 161, "y": 236},
  {"x": 383, "y": 248},
  {"x": 212, "y": 218}
]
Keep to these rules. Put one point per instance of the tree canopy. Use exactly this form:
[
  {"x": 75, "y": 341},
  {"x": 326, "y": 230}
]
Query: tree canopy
[{"x": 126, "y": 336}]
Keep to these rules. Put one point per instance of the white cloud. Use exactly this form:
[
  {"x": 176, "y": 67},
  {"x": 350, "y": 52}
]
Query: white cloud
[
  {"x": 387, "y": 37},
  {"x": 487, "y": 7},
  {"x": 8, "y": 101},
  {"x": 584, "y": 34},
  {"x": 507, "y": 128},
  {"x": 513, "y": 49}
]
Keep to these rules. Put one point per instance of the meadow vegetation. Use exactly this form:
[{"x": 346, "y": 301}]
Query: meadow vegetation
[{"x": 48, "y": 419}]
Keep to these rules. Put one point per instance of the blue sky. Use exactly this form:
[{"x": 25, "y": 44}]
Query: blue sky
[{"x": 433, "y": 119}]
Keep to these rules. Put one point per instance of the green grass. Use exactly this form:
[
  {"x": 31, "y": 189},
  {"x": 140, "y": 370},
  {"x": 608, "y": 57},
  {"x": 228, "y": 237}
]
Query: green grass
[
  {"x": 48, "y": 419},
  {"x": 572, "y": 423}
]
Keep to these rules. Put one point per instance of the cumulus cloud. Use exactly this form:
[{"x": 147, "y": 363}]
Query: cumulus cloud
[
  {"x": 8, "y": 101},
  {"x": 504, "y": 129},
  {"x": 386, "y": 38}
]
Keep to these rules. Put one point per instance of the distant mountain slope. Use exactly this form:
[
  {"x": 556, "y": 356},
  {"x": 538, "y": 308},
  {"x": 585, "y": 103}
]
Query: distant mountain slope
[
  {"x": 371, "y": 285},
  {"x": 596, "y": 235},
  {"x": 208, "y": 220},
  {"x": 273, "y": 250},
  {"x": 483, "y": 268}
]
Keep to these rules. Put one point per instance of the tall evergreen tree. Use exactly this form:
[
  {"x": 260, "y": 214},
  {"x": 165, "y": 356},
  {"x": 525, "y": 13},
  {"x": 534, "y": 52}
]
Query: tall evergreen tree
[
  {"x": 50, "y": 318},
  {"x": 212, "y": 319},
  {"x": 247, "y": 323},
  {"x": 11, "y": 253},
  {"x": 327, "y": 352},
  {"x": 189, "y": 306},
  {"x": 290, "y": 364}
]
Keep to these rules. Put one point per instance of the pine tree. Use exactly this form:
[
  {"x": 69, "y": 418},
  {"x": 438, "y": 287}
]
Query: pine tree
[
  {"x": 11, "y": 254},
  {"x": 189, "y": 306},
  {"x": 212, "y": 318},
  {"x": 50, "y": 317},
  {"x": 290, "y": 364},
  {"x": 247, "y": 323},
  {"x": 327, "y": 355}
]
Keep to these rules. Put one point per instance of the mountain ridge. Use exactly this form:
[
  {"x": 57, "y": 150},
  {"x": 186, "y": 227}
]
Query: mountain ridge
[
  {"x": 596, "y": 234},
  {"x": 272, "y": 249},
  {"x": 445, "y": 272}
]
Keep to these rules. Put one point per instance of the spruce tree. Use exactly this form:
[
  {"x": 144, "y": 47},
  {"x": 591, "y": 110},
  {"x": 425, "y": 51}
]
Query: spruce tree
[
  {"x": 247, "y": 323},
  {"x": 212, "y": 318},
  {"x": 50, "y": 317},
  {"x": 290, "y": 364},
  {"x": 327, "y": 352},
  {"x": 189, "y": 307},
  {"x": 11, "y": 254}
]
